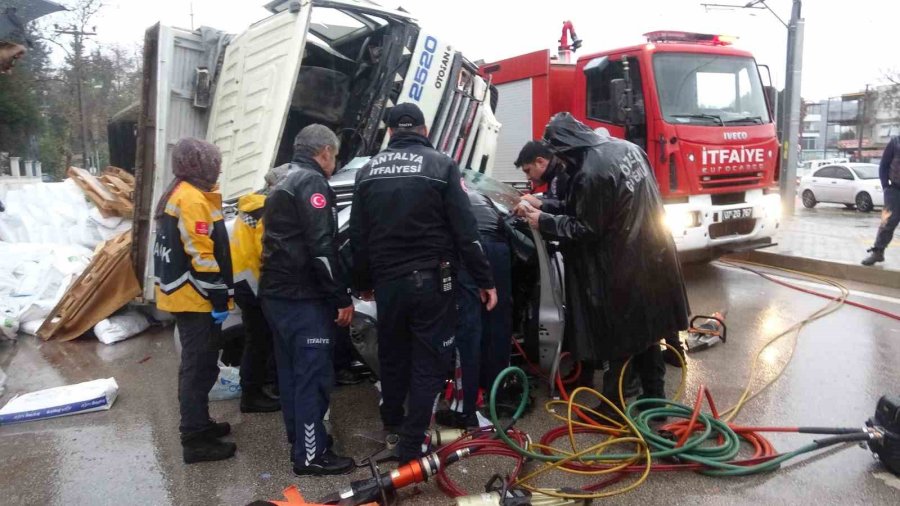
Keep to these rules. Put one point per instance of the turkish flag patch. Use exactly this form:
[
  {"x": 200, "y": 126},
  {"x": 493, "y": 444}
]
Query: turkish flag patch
[
  {"x": 317, "y": 200},
  {"x": 201, "y": 227}
]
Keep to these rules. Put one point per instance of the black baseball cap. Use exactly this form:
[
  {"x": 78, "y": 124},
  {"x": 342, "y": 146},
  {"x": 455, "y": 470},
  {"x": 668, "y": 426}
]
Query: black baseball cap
[
  {"x": 406, "y": 115},
  {"x": 531, "y": 151}
]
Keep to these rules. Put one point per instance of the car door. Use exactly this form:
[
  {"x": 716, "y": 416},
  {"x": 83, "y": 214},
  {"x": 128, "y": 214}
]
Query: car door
[
  {"x": 822, "y": 184},
  {"x": 844, "y": 185}
]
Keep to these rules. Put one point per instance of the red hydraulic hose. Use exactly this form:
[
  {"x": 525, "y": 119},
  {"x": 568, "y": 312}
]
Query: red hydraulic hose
[{"x": 820, "y": 294}]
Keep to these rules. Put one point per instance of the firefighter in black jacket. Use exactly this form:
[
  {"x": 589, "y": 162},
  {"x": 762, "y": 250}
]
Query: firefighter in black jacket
[
  {"x": 303, "y": 297},
  {"x": 192, "y": 268},
  {"x": 410, "y": 221}
]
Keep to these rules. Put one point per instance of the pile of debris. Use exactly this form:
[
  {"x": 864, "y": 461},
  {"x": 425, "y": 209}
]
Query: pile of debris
[{"x": 66, "y": 250}]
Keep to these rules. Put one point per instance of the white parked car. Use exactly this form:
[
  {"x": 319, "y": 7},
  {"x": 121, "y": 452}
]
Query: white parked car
[{"x": 852, "y": 184}]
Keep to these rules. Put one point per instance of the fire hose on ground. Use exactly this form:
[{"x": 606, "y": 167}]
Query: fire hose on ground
[{"x": 640, "y": 438}]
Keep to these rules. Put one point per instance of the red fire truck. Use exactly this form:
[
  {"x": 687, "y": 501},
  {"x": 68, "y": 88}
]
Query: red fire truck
[{"x": 693, "y": 102}]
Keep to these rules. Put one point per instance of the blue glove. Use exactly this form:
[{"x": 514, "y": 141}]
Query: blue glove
[{"x": 219, "y": 316}]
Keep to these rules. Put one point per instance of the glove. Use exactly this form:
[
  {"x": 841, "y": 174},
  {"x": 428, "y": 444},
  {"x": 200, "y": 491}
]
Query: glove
[{"x": 219, "y": 316}]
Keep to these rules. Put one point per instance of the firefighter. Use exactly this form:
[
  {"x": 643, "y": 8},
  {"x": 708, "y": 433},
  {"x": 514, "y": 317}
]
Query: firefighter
[
  {"x": 303, "y": 297},
  {"x": 544, "y": 170},
  {"x": 411, "y": 222},
  {"x": 246, "y": 255},
  {"x": 623, "y": 284},
  {"x": 482, "y": 336},
  {"x": 192, "y": 265}
]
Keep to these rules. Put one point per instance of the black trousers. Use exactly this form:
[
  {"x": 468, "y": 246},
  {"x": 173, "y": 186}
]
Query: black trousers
[
  {"x": 304, "y": 340},
  {"x": 198, "y": 370},
  {"x": 890, "y": 218},
  {"x": 416, "y": 334},
  {"x": 468, "y": 345},
  {"x": 648, "y": 365},
  {"x": 496, "y": 325},
  {"x": 257, "y": 343}
]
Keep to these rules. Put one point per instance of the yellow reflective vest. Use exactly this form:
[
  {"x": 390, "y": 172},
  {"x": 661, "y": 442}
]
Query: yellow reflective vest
[
  {"x": 191, "y": 255},
  {"x": 246, "y": 242}
]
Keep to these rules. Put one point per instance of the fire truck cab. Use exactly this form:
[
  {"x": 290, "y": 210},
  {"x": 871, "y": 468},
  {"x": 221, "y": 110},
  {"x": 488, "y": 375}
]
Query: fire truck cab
[{"x": 693, "y": 102}]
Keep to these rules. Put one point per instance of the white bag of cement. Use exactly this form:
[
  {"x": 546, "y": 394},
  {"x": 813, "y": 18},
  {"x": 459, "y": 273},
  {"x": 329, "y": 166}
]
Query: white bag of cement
[
  {"x": 111, "y": 222},
  {"x": 9, "y": 322},
  {"x": 109, "y": 233},
  {"x": 228, "y": 384},
  {"x": 31, "y": 327},
  {"x": 96, "y": 395},
  {"x": 120, "y": 327}
]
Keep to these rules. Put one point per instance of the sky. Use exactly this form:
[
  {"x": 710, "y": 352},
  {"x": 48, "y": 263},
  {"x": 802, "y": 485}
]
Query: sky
[{"x": 846, "y": 44}]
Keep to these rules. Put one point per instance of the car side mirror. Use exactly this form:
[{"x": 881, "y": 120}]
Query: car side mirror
[{"x": 619, "y": 100}]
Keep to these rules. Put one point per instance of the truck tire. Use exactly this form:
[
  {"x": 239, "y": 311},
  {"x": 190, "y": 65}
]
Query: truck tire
[
  {"x": 809, "y": 200},
  {"x": 864, "y": 202}
]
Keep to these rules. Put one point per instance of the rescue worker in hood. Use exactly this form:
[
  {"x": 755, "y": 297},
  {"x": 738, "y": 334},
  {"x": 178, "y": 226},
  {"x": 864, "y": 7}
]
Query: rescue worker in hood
[
  {"x": 544, "y": 170},
  {"x": 304, "y": 299},
  {"x": 410, "y": 223},
  {"x": 623, "y": 279},
  {"x": 246, "y": 256},
  {"x": 193, "y": 274}
]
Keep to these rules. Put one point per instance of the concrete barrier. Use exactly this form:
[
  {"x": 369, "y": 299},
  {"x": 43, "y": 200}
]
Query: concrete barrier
[{"x": 880, "y": 274}]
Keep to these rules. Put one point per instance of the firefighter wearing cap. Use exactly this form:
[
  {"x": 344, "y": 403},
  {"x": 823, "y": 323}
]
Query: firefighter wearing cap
[
  {"x": 304, "y": 297},
  {"x": 192, "y": 267},
  {"x": 410, "y": 223}
]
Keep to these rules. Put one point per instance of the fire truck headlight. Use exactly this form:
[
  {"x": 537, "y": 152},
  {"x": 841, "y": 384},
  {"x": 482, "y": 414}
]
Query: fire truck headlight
[{"x": 678, "y": 220}]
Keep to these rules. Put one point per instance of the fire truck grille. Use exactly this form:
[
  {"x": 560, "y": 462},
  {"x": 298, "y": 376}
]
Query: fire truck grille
[
  {"x": 742, "y": 226},
  {"x": 730, "y": 180}
]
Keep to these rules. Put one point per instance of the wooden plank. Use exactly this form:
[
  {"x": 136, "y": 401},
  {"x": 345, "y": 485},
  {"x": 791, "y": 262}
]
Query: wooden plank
[
  {"x": 107, "y": 284},
  {"x": 122, "y": 174}
]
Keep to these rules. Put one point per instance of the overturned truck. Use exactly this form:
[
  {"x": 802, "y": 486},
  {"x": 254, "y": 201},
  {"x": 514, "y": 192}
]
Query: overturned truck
[{"x": 340, "y": 63}]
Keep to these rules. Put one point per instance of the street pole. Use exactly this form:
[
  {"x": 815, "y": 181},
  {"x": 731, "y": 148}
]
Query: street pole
[
  {"x": 791, "y": 118},
  {"x": 860, "y": 124},
  {"x": 825, "y": 142}
]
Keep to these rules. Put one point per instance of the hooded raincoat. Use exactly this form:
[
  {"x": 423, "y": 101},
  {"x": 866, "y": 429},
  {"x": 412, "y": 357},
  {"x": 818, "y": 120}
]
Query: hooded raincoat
[{"x": 624, "y": 286}]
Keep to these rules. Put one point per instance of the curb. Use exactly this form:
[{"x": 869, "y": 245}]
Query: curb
[{"x": 876, "y": 275}]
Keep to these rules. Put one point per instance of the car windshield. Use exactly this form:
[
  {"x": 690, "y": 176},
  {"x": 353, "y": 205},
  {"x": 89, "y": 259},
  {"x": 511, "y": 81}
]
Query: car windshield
[
  {"x": 866, "y": 171},
  {"x": 709, "y": 89},
  {"x": 504, "y": 196}
]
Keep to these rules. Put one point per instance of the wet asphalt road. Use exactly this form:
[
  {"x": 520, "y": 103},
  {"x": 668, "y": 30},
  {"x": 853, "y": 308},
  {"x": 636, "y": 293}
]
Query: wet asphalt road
[{"x": 131, "y": 454}]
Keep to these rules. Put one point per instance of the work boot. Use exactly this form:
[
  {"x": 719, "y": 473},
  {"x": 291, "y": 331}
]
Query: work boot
[
  {"x": 329, "y": 444},
  {"x": 203, "y": 447},
  {"x": 346, "y": 377},
  {"x": 455, "y": 419},
  {"x": 255, "y": 401},
  {"x": 670, "y": 356},
  {"x": 631, "y": 387},
  {"x": 326, "y": 464},
  {"x": 218, "y": 429},
  {"x": 875, "y": 255}
]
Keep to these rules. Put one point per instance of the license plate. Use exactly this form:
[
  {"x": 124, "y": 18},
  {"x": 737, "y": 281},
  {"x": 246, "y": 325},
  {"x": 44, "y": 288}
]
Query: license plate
[{"x": 736, "y": 214}]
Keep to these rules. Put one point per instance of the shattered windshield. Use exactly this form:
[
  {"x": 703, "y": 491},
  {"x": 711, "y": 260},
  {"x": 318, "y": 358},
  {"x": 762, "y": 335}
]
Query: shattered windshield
[
  {"x": 504, "y": 196},
  {"x": 709, "y": 89}
]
